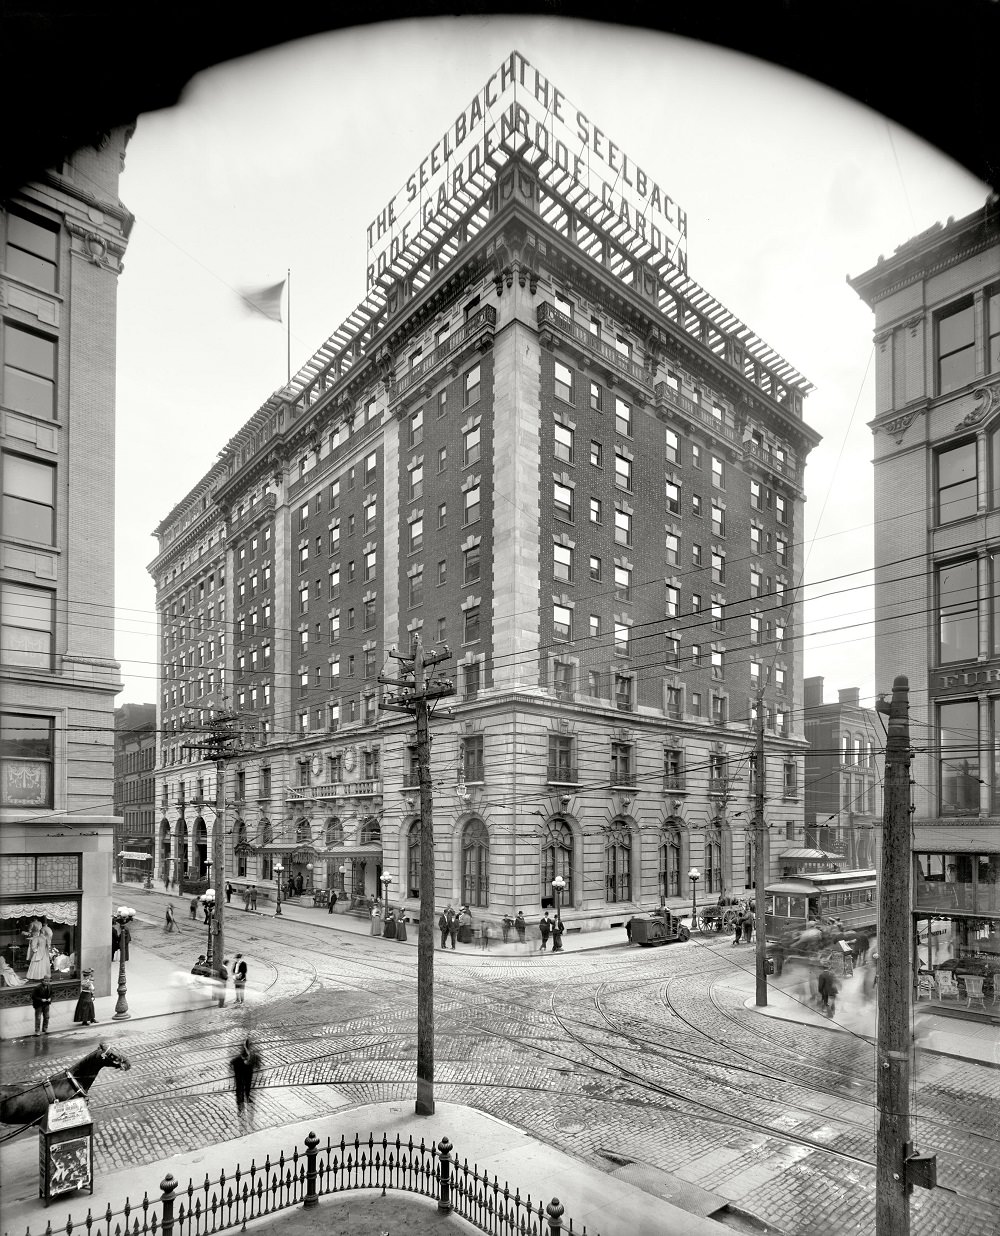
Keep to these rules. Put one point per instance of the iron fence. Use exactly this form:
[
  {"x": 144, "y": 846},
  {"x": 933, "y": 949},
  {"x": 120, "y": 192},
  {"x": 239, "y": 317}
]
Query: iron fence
[{"x": 316, "y": 1171}]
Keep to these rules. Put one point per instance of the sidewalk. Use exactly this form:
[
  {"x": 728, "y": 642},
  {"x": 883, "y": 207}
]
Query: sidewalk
[{"x": 788, "y": 1000}]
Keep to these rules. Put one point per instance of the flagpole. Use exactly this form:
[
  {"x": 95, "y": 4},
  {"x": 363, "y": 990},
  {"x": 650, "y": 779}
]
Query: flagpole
[{"x": 288, "y": 314}]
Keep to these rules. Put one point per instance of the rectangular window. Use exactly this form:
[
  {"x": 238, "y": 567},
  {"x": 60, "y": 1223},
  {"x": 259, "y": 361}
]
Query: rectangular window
[
  {"x": 755, "y": 583},
  {"x": 673, "y": 498},
  {"x": 623, "y": 417},
  {"x": 472, "y": 385},
  {"x": 472, "y": 757},
  {"x": 993, "y": 331},
  {"x": 623, "y": 583},
  {"x": 780, "y": 509},
  {"x": 621, "y": 763},
  {"x": 596, "y": 454},
  {"x": 27, "y": 753},
  {"x": 562, "y": 622},
  {"x": 623, "y": 527},
  {"x": 443, "y": 515},
  {"x": 596, "y": 397},
  {"x": 470, "y": 678},
  {"x": 562, "y": 563},
  {"x": 696, "y": 655},
  {"x": 563, "y": 305},
  {"x": 32, "y": 251},
  {"x": 695, "y": 703},
  {"x": 696, "y": 505},
  {"x": 564, "y": 381},
  {"x": 624, "y": 692},
  {"x": 673, "y": 549},
  {"x": 29, "y": 499},
  {"x": 756, "y": 496},
  {"x": 416, "y": 486},
  {"x": 718, "y": 568},
  {"x": 371, "y": 469},
  {"x": 472, "y": 505},
  {"x": 781, "y": 549},
  {"x": 623, "y": 347},
  {"x": 471, "y": 564},
  {"x": 442, "y": 459},
  {"x": 673, "y": 601},
  {"x": 563, "y": 443},
  {"x": 674, "y": 703},
  {"x": 956, "y": 482},
  {"x": 958, "y": 620},
  {"x": 562, "y": 497},
  {"x": 562, "y": 679},
  {"x": 956, "y": 344},
  {"x": 595, "y": 568},
  {"x": 29, "y": 372},
  {"x": 754, "y": 628},
  {"x": 718, "y": 665},
  {"x": 595, "y": 510},
  {"x": 27, "y": 626},
  {"x": 623, "y": 472},
  {"x": 416, "y": 589},
  {"x": 718, "y": 520},
  {"x": 719, "y": 718},
  {"x": 415, "y": 433},
  {"x": 718, "y": 473},
  {"x": 442, "y": 575},
  {"x": 416, "y": 535},
  {"x": 673, "y": 450},
  {"x": 958, "y": 737},
  {"x": 471, "y": 441},
  {"x": 471, "y": 625}
]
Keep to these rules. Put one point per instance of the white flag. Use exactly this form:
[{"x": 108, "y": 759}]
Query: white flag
[{"x": 266, "y": 301}]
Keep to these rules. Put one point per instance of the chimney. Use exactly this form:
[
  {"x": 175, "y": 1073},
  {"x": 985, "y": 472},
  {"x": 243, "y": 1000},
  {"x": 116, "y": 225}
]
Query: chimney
[
  {"x": 813, "y": 691},
  {"x": 849, "y": 695}
]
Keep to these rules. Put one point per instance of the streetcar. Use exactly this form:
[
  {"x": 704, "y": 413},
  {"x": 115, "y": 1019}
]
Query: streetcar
[{"x": 849, "y": 898}]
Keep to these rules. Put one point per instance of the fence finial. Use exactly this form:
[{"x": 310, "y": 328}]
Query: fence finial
[
  {"x": 310, "y": 1200},
  {"x": 555, "y": 1211},
  {"x": 444, "y": 1159}
]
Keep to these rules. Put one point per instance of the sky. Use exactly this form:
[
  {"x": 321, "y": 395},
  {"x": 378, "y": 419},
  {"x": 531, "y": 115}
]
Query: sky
[{"x": 281, "y": 160}]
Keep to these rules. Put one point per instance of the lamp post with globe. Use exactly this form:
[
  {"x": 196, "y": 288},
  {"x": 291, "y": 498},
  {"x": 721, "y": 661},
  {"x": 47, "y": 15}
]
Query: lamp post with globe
[
  {"x": 278, "y": 869},
  {"x": 694, "y": 875},
  {"x": 207, "y": 899},
  {"x": 121, "y": 918},
  {"x": 558, "y": 885}
]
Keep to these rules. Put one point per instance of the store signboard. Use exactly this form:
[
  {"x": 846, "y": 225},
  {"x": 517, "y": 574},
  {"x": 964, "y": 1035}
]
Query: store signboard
[{"x": 518, "y": 103}]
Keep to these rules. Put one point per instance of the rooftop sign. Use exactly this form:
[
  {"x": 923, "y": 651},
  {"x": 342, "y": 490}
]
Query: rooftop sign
[{"x": 518, "y": 104}]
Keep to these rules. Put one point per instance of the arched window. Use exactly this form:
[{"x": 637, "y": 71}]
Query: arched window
[
  {"x": 475, "y": 864},
  {"x": 371, "y": 832},
  {"x": 557, "y": 859},
  {"x": 618, "y": 863},
  {"x": 240, "y": 848},
  {"x": 670, "y": 861},
  {"x": 303, "y": 832},
  {"x": 848, "y": 748},
  {"x": 334, "y": 832},
  {"x": 713, "y": 860},
  {"x": 413, "y": 860}
]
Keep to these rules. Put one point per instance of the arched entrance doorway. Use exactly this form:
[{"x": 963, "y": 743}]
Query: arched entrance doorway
[
  {"x": 166, "y": 861},
  {"x": 181, "y": 855},
  {"x": 200, "y": 848}
]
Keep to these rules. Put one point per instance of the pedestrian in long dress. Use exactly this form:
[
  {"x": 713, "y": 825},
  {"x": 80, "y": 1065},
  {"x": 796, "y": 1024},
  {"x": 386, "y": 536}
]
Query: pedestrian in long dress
[
  {"x": 376, "y": 921},
  {"x": 85, "y": 1013}
]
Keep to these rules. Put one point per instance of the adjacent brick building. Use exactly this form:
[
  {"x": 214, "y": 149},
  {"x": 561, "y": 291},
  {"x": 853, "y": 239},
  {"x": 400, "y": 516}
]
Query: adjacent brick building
[
  {"x": 135, "y": 802},
  {"x": 63, "y": 238},
  {"x": 937, "y": 510},
  {"x": 548, "y": 448},
  {"x": 843, "y": 785}
]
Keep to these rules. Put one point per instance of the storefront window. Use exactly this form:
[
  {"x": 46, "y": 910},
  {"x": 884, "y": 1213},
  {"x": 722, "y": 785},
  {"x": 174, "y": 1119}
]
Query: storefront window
[{"x": 39, "y": 938}]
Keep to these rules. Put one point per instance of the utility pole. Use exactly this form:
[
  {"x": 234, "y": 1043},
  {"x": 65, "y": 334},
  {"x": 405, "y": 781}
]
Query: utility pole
[
  {"x": 414, "y": 691},
  {"x": 892, "y": 1207},
  {"x": 759, "y": 857},
  {"x": 223, "y": 742}
]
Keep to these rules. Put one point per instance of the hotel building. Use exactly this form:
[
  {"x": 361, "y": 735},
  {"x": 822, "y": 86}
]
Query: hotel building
[{"x": 539, "y": 443}]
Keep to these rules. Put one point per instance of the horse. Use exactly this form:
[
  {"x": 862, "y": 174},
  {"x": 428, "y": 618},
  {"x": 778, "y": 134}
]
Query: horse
[
  {"x": 860, "y": 945},
  {"x": 27, "y": 1104}
]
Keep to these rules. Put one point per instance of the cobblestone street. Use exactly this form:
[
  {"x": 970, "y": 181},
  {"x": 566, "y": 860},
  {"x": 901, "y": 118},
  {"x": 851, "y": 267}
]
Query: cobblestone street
[{"x": 641, "y": 1061}]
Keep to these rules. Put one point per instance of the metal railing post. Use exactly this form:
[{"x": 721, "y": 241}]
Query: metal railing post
[
  {"x": 167, "y": 1187},
  {"x": 555, "y": 1210},
  {"x": 444, "y": 1158},
  {"x": 312, "y": 1141}
]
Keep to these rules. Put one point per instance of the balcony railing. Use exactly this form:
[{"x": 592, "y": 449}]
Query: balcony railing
[
  {"x": 563, "y": 774},
  {"x": 673, "y": 781},
  {"x": 623, "y": 780},
  {"x": 665, "y": 394},
  {"x": 549, "y": 316},
  {"x": 336, "y": 790},
  {"x": 483, "y": 322}
]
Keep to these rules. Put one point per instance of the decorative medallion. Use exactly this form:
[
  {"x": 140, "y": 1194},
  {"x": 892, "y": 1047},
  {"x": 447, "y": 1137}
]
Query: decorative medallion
[{"x": 350, "y": 759}]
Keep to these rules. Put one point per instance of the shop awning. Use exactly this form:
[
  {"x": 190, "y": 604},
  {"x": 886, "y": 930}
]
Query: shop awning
[{"x": 137, "y": 855}]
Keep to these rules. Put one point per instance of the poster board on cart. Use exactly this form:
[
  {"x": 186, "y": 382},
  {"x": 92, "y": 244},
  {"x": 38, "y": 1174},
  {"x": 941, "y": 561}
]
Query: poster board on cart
[{"x": 66, "y": 1150}]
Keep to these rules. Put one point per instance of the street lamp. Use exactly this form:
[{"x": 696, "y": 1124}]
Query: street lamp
[
  {"x": 309, "y": 877},
  {"x": 694, "y": 875},
  {"x": 278, "y": 869},
  {"x": 386, "y": 881},
  {"x": 558, "y": 884},
  {"x": 343, "y": 883},
  {"x": 122, "y": 916},
  {"x": 207, "y": 899}
]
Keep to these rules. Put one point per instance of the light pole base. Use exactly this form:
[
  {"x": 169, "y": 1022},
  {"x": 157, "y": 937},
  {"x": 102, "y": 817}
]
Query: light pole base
[
  {"x": 425, "y": 1098},
  {"x": 116, "y": 1016}
]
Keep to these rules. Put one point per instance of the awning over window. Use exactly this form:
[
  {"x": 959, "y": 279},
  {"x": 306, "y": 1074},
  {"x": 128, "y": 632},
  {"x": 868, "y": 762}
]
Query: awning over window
[{"x": 57, "y": 911}]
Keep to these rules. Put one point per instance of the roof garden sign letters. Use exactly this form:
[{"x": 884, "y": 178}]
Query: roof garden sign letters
[{"x": 519, "y": 110}]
